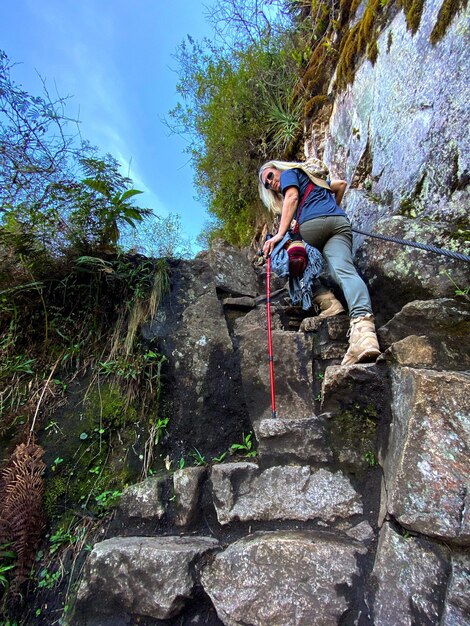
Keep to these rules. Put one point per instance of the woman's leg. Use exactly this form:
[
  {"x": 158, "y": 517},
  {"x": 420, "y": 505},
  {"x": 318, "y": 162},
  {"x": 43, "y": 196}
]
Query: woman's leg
[
  {"x": 333, "y": 237},
  {"x": 338, "y": 254}
]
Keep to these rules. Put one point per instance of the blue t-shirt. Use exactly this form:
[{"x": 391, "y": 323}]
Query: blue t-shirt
[{"x": 320, "y": 201}]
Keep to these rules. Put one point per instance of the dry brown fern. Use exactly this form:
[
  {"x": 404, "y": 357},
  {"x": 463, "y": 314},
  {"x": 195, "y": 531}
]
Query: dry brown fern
[{"x": 21, "y": 512}]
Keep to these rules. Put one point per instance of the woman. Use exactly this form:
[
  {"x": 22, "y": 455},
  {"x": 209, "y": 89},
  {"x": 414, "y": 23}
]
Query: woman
[{"x": 290, "y": 189}]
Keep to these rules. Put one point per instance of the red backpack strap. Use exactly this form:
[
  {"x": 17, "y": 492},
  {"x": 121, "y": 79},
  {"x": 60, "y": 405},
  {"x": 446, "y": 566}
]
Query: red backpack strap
[{"x": 308, "y": 191}]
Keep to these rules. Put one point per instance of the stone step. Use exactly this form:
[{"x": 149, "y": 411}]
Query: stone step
[
  {"x": 284, "y": 578},
  {"x": 290, "y": 440},
  {"x": 174, "y": 496},
  {"x": 330, "y": 340},
  {"x": 243, "y": 492},
  {"x": 144, "y": 576}
]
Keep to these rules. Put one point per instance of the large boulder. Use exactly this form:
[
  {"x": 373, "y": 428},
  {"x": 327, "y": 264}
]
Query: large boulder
[
  {"x": 409, "y": 580},
  {"x": 283, "y": 578},
  {"x": 202, "y": 390},
  {"x": 427, "y": 467},
  {"x": 142, "y": 576},
  {"x": 244, "y": 493}
]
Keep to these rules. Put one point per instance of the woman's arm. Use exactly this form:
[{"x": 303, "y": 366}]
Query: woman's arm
[
  {"x": 289, "y": 205},
  {"x": 338, "y": 187}
]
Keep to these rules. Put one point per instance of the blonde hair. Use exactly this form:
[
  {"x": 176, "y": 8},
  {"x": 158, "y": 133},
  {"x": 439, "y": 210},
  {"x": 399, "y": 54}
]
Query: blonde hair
[{"x": 271, "y": 199}]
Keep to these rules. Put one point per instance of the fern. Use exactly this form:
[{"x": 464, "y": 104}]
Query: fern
[{"x": 21, "y": 513}]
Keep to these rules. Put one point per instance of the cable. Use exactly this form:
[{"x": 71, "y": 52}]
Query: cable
[{"x": 413, "y": 244}]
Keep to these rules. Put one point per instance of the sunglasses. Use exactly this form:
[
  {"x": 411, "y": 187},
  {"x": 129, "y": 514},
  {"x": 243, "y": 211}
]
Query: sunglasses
[{"x": 268, "y": 181}]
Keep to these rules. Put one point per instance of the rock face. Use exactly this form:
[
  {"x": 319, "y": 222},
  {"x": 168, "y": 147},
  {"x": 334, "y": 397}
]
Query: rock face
[
  {"x": 121, "y": 571},
  {"x": 406, "y": 110},
  {"x": 427, "y": 468},
  {"x": 443, "y": 326},
  {"x": 243, "y": 493},
  {"x": 202, "y": 388},
  {"x": 282, "y": 578},
  {"x": 395, "y": 136},
  {"x": 398, "y": 274},
  {"x": 234, "y": 274},
  {"x": 457, "y": 608}
]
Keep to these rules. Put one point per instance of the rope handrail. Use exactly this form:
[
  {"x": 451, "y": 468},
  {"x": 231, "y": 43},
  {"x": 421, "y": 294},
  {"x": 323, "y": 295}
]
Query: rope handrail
[{"x": 421, "y": 246}]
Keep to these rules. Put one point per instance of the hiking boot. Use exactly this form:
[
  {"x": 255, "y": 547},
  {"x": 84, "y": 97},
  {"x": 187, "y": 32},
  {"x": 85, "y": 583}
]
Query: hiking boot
[
  {"x": 363, "y": 344},
  {"x": 328, "y": 305}
]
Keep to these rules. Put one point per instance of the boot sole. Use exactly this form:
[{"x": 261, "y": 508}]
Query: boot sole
[
  {"x": 367, "y": 355},
  {"x": 323, "y": 317}
]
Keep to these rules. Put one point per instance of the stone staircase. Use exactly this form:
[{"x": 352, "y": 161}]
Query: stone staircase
[{"x": 355, "y": 510}]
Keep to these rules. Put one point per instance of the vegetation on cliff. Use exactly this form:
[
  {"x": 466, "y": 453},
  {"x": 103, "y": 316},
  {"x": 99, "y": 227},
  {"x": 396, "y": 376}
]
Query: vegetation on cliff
[{"x": 248, "y": 95}]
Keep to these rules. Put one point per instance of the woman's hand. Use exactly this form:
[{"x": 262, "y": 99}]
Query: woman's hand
[
  {"x": 270, "y": 244},
  {"x": 338, "y": 187}
]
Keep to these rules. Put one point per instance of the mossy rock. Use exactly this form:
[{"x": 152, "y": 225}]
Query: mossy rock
[{"x": 352, "y": 437}]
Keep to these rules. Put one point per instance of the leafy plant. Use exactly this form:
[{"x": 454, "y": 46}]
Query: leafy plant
[
  {"x": 6, "y": 563},
  {"x": 64, "y": 537},
  {"x": 160, "y": 429},
  {"x": 108, "y": 498},
  {"x": 220, "y": 458},
  {"x": 198, "y": 458},
  {"x": 371, "y": 458},
  {"x": 48, "y": 580},
  {"x": 458, "y": 290},
  {"x": 57, "y": 461},
  {"x": 246, "y": 446}
]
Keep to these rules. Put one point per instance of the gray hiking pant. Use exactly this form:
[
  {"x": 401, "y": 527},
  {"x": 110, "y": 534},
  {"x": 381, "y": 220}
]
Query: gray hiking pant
[{"x": 333, "y": 237}]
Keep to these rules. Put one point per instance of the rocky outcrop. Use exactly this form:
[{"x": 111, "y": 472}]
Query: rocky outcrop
[
  {"x": 233, "y": 272},
  {"x": 406, "y": 111},
  {"x": 396, "y": 136},
  {"x": 203, "y": 390},
  {"x": 436, "y": 334},
  {"x": 355, "y": 508}
]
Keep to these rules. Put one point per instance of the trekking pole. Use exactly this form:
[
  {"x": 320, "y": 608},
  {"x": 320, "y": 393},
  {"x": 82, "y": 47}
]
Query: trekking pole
[{"x": 270, "y": 338}]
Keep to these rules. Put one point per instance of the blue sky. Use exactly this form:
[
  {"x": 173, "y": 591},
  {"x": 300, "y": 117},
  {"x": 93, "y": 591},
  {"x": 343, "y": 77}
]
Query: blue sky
[{"x": 115, "y": 58}]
